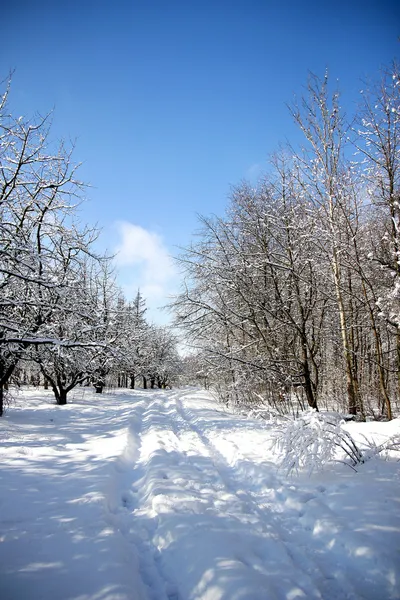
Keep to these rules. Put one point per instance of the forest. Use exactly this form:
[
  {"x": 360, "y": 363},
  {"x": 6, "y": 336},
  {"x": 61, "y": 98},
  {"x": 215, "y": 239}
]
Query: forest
[
  {"x": 292, "y": 298},
  {"x": 289, "y": 300}
]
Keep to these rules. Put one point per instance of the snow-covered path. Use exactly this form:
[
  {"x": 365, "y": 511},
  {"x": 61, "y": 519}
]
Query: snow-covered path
[{"x": 164, "y": 496}]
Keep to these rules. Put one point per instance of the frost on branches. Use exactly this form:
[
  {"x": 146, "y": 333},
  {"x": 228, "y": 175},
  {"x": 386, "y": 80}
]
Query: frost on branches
[
  {"x": 292, "y": 298},
  {"x": 390, "y": 304},
  {"x": 313, "y": 440}
]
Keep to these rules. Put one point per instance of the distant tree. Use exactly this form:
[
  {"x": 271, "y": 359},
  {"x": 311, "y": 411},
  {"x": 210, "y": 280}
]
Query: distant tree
[
  {"x": 163, "y": 363},
  {"x": 134, "y": 339},
  {"x": 107, "y": 332},
  {"x": 79, "y": 330}
]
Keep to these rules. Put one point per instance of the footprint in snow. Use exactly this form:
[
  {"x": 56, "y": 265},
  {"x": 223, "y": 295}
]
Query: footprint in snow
[{"x": 127, "y": 499}]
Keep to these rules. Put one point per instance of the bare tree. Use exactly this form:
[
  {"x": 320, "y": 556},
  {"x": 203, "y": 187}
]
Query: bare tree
[
  {"x": 38, "y": 241},
  {"x": 329, "y": 186},
  {"x": 378, "y": 139},
  {"x": 252, "y": 302}
]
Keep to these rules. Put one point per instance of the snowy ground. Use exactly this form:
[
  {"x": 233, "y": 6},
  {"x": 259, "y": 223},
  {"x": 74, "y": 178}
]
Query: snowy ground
[{"x": 164, "y": 496}]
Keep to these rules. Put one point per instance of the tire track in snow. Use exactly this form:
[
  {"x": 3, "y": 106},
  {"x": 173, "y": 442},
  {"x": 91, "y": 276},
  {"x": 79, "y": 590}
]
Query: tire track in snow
[
  {"x": 199, "y": 527},
  {"x": 215, "y": 487},
  {"x": 262, "y": 519},
  {"x": 189, "y": 463},
  {"x": 123, "y": 500},
  {"x": 312, "y": 521}
]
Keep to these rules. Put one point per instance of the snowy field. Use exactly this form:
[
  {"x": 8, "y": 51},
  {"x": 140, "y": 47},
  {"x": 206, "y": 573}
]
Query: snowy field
[{"x": 156, "y": 495}]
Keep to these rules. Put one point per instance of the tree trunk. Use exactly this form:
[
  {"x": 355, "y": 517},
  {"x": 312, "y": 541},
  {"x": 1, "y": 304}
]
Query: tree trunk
[
  {"x": 132, "y": 385},
  {"x": 308, "y": 387},
  {"x": 398, "y": 362},
  {"x": 99, "y": 388},
  {"x": 144, "y": 383},
  {"x": 351, "y": 388},
  {"x": 61, "y": 396},
  {"x": 6, "y": 373},
  {"x": 62, "y": 399},
  {"x": 380, "y": 367}
]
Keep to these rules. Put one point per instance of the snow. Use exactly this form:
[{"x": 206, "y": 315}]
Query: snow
[{"x": 163, "y": 495}]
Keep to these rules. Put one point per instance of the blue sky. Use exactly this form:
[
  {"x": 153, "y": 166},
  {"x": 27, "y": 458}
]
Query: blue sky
[{"x": 172, "y": 102}]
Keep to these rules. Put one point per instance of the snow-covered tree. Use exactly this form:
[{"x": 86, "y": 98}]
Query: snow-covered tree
[
  {"x": 134, "y": 339},
  {"x": 108, "y": 332},
  {"x": 81, "y": 330},
  {"x": 328, "y": 182},
  {"x": 39, "y": 242},
  {"x": 252, "y": 301},
  {"x": 378, "y": 129},
  {"x": 282, "y": 295},
  {"x": 162, "y": 363}
]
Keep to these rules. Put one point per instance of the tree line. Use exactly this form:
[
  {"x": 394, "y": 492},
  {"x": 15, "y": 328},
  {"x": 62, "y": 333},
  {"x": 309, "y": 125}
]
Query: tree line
[
  {"x": 60, "y": 307},
  {"x": 294, "y": 294}
]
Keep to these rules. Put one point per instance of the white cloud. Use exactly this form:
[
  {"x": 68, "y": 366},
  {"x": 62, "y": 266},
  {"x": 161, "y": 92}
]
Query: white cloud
[
  {"x": 144, "y": 263},
  {"x": 144, "y": 248}
]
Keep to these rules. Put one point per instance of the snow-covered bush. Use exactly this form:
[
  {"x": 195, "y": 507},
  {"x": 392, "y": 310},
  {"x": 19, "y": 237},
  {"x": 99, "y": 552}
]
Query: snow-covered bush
[
  {"x": 385, "y": 449},
  {"x": 314, "y": 439}
]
